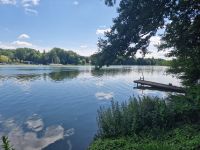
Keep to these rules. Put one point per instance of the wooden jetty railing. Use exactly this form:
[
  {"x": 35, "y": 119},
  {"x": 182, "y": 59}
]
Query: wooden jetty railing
[{"x": 159, "y": 85}]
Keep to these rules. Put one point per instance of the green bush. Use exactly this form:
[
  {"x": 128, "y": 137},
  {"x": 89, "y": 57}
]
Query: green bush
[
  {"x": 133, "y": 117},
  {"x": 186, "y": 137},
  {"x": 148, "y": 115}
]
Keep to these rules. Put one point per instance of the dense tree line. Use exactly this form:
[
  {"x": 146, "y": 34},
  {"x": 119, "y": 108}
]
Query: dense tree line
[
  {"x": 60, "y": 56},
  {"x": 133, "y": 61},
  {"x": 54, "y": 56}
]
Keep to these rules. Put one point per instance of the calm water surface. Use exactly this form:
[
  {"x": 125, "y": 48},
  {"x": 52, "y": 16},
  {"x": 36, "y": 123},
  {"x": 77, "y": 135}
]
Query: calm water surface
[{"x": 54, "y": 108}]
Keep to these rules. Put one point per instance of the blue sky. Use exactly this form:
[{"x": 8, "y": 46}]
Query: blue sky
[
  {"x": 67, "y": 24},
  {"x": 44, "y": 24}
]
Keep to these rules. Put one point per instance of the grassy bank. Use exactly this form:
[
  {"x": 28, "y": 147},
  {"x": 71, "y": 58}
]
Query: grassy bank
[{"x": 151, "y": 124}]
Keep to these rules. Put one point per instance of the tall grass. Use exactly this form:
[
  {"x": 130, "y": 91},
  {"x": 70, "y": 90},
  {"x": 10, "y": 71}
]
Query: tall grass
[{"x": 132, "y": 117}]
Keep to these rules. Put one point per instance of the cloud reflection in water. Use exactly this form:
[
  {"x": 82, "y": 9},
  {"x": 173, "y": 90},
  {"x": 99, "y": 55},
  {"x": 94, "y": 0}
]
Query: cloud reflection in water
[
  {"x": 104, "y": 96},
  {"x": 30, "y": 140},
  {"x": 35, "y": 123}
]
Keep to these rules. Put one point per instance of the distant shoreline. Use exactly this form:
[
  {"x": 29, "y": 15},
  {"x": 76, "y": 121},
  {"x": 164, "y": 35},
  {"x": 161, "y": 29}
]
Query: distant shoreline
[{"x": 61, "y": 65}]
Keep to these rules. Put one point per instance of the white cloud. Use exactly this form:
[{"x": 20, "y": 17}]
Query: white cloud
[
  {"x": 18, "y": 44},
  {"x": 31, "y": 11},
  {"x": 155, "y": 40},
  {"x": 21, "y": 44},
  {"x": 84, "y": 52},
  {"x": 28, "y": 3},
  {"x": 76, "y": 3},
  {"x": 102, "y": 31},
  {"x": 28, "y": 6},
  {"x": 24, "y": 3},
  {"x": 23, "y": 36},
  {"x": 155, "y": 54},
  {"x": 6, "y": 45},
  {"x": 153, "y": 50},
  {"x": 10, "y": 2}
]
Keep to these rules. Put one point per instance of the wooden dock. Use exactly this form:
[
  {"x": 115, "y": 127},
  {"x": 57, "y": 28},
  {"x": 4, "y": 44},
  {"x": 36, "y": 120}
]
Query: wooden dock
[{"x": 159, "y": 86}]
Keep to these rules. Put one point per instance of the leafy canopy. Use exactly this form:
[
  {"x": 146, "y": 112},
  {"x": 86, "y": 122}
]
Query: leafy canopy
[{"x": 139, "y": 20}]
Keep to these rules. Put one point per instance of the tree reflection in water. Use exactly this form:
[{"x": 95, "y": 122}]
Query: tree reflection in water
[
  {"x": 63, "y": 75},
  {"x": 56, "y": 76},
  {"x": 110, "y": 72},
  {"x": 68, "y": 74}
]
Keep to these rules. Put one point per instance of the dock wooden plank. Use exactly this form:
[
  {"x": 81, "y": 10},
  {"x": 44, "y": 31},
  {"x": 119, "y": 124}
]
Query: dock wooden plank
[{"x": 159, "y": 85}]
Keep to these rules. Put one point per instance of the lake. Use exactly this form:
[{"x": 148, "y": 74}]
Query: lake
[{"x": 55, "y": 108}]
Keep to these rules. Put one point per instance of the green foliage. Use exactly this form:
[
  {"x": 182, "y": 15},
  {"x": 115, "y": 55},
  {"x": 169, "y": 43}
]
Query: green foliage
[
  {"x": 6, "y": 144},
  {"x": 183, "y": 35},
  {"x": 58, "y": 55},
  {"x": 8, "y": 53},
  {"x": 139, "y": 20},
  {"x": 136, "y": 116},
  {"x": 4, "y": 59},
  {"x": 55, "y": 56},
  {"x": 133, "y": 61},
  {"x": 149, "y": 115},
  {"x": 27, "y": 54},
  {"x": 186, "y": 137},
  {"x": 151, "y": 124},
  {"x": 187, "y": 69}
]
